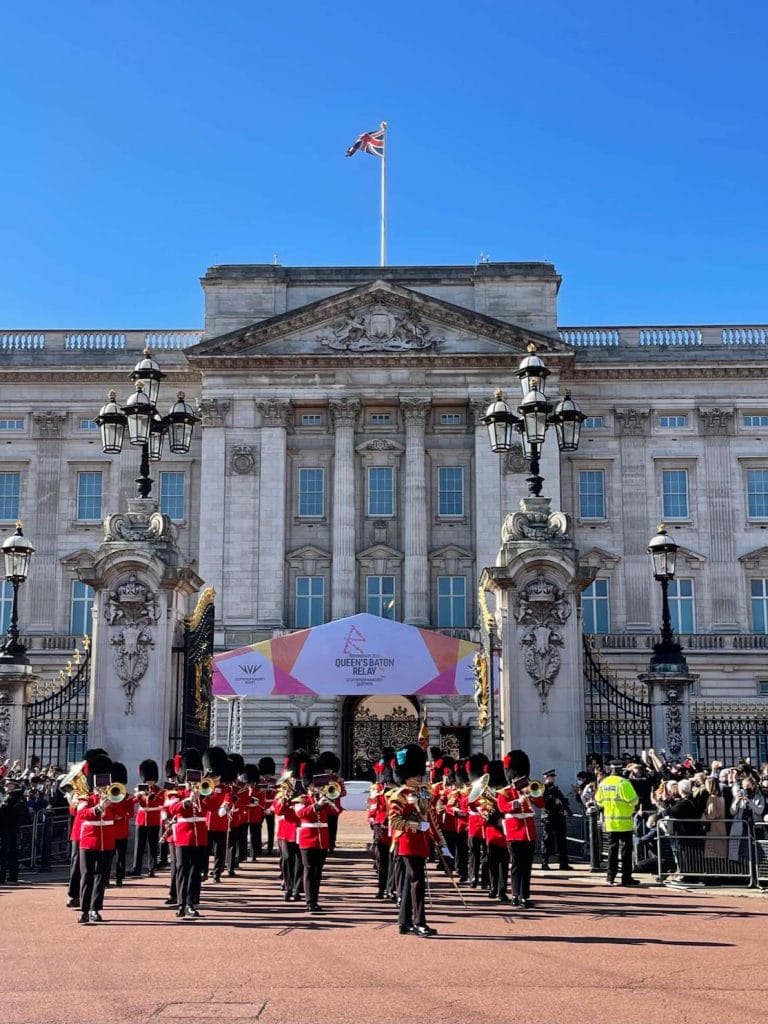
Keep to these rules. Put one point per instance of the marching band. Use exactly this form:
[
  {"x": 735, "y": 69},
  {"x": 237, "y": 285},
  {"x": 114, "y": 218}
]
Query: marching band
[{"x": 475, "y": 818}]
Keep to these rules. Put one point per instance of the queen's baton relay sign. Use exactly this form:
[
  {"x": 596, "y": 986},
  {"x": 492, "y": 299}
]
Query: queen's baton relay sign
[{"x": 361, "y": 655}]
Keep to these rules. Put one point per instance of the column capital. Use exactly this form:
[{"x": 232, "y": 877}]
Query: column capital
[
  {"x": 344, "y": 410},
  {"x": 633, "y": 422},
  {"x": 415, "y": 410},
  {"x": 49, "y": 423},
  {"x": 715, "y": 422},
  {"x": 213, "y": 411},
  {"x": 478, "y": 408},
  {"x": 274, "y": 412}
]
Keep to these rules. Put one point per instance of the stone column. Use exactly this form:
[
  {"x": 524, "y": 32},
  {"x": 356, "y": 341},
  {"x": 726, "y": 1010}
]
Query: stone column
[
  {"x": 343, "y": 574},
  {"x": 273, "y": 487},
  {"x": 16, "y": 680},
  {"x": 635, "y": 516},
  {"x": 45, "y": 601},
  {"x": 489, "y": 511},
  {"x": 416, "y": 566},
  {"x": 536, "y": 584},
  {"x": 141, "y": 584},
  {"x": 213, "y": 412},
  {"x": 670, "y": 697},
  {"x": 717, "y": 425}
]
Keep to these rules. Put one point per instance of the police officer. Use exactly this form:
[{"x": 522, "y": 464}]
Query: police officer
[
  {"x": 553, "y": 823},
  {"x": 617, "y": 798}
]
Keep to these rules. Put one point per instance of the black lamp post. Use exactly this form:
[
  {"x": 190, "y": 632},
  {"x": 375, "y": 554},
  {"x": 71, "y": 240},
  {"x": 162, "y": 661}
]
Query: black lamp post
[
  {"x": 16, "y": 554},
  {"x": 667, "y": 652},
  {"x": 534, "y": 415},
  {"x": 147, "y": 429}
]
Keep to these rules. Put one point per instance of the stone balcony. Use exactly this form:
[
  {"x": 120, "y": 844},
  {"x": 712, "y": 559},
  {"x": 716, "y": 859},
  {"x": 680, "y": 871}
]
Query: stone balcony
[
  {"x": 73, "y": 341},
  {"x": 628, "y": 642},
  {"x": 712, "y": 336}
]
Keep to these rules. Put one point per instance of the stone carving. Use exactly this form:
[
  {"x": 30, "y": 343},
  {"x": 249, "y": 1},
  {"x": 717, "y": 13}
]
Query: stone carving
[
  {"x": 415, "y": 410},
  {"x": 212, "y": 411},
  {"x": 380, "y": 444},
  {"x": 379, "y": 330},
  {"x": 344, "y": 410},
  {"x": 633, "y": 422},
  {"x": 5, "y": 730},
  {"x": 674, "y": 724},
  {"x": 274, "y": 412},
  {"x": 542, "y": 607},
  {"x": 137, "y": 525},
  {"x": 515, "y": 461},
  {"x": 49, "y": 423},
  {"x": 716, "y": 421},
  {"x": 131, "y": 610},
  {"x": 534, "y": 521},
  {"x": 243, "y": 459},
  {"x": 478, "y": 408}
]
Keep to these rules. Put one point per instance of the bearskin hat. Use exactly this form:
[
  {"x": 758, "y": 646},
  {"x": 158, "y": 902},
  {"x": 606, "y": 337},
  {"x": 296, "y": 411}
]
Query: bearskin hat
[
  {"x": 267, "y": 765},
  {"x": 97, "y": 764},
  {"x": 447, "y": 771},
  {"x": 173, "y": 766},
  {"x": 516, "y": 765},
  {"x": 294, "y": 760},
  {"x": 410, "y": 761},
  {"x": 119, "y": 772},
  {"x": 435, "y": 753},
  {"x": 214, "y": 761},
  {"x": 228, "y": 772},
  {"x": 239, "y": 762},
  {"x": 191, "y": 760},
  {"x": 438, "y": 766},
  {"x": 252, "y": 774},
  {"x": 497, "y": 778},
  {"x": 475, "y": 766},
  {"x": 460, "y": 773},
  {"x": 328, "y": 761},
  {"x": 149, "y": 771},
  {"x": 387, "y": 753}
]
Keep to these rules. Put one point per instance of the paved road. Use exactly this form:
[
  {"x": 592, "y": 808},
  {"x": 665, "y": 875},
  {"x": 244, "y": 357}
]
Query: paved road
[{"x": 584, "y": 953}]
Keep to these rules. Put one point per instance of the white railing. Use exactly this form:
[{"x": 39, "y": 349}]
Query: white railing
[
  {"x": 690, "y": 642},
  {"x": 11, "y": 340},
  {"x": 105, "y": 341},
  {"x": 706, "y": 336}
]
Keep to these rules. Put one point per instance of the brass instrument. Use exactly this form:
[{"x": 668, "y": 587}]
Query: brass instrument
[
  {"x": 482, "y": 792},
  {"x": 77, "y": 780},
  {"x": 534, "y": 789},
  {"x": 331, "y": 791},
  {"x": 114, "y": 793},
  {"x": 205, "y": 787}
]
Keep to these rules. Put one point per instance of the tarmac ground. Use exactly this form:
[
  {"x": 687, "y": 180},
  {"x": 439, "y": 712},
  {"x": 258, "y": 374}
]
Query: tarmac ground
[{"x": 585, "y": 952}]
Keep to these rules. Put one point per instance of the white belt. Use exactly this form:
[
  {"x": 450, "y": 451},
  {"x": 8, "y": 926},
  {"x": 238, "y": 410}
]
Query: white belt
[
  {"x": 314, "y": 824},
  {"x": 523, "y": 815},
  {"x": 190, "y": 820},
  {"x": 98, "y": 824}
]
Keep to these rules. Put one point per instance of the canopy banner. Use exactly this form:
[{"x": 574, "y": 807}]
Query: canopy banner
[{"x": 360, "y": 655}]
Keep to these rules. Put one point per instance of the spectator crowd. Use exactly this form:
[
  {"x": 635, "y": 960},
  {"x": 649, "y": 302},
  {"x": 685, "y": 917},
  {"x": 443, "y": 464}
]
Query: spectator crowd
[{"x": 26, "y": 794}]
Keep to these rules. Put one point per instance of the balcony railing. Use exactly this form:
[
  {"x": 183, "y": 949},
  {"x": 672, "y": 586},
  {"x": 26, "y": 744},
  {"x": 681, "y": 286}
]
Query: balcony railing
[
  {"x": 689, "y": 642},
  {"x": 97, "y": 340},
  {"x": 697, "y": 336}
]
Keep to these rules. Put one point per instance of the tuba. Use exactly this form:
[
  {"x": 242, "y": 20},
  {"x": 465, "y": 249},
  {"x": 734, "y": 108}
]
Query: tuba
[
  {"x": 77, "y": 780},
  {"x": 482, "y": 792}
]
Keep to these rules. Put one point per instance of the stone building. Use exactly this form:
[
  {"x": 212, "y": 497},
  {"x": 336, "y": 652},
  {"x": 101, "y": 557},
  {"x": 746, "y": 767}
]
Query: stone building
[{"x": 342, "y": 467}]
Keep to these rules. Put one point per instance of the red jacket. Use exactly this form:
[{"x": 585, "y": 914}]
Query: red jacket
[
  {"x": 378, "y": 812},
  {"x": 97, "y": 824},
  {"x": 220, "y": 799},
  {"x": 123, "y": 814},
  {"x": 409, "y": 839},
  {"x": 519, "y": 816},
  {"x": 190, "y": 828},
  {"x": 268, "y": 788},
  {"x": 241, "y": 801},
  {"x": 313, "y": 830},
  {"x": 475, "y": 819},
  {"x": 74, "y": 832},
  {"x": 255, "y": 805},
  {"x": 149, "y": 805},
  {"x": 288, "y": 824}
]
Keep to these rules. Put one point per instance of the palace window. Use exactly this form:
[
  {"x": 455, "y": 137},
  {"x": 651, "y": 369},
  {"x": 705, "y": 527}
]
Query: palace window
[
  {"x": 757, "y": 493},
  {"x": 14, "y": 424},
  {"x": 311, "y": 419},
  {"x": 10, "y": 487},
  {"x": 81, "y": 609},
  {"x": 682, "y": 612},
  {"x": 674, "y": 488},
  {"x": 594, "y": 422},
  {"x": 311, "y": 493},
  {"x": 754, "y": 420},
  {"x": 592, "y": 494},
  {"x": 759, "y": 595},
  {"x": 380, "y": 491},
  {"x": 450, "y": 491},
  {"x": 172, "y": 488},
  {"x": 6, "y": 605},
  {"x": 380, "y": 419},
  {"x": 87, "y": 425},
  {"x": 380, "y": 596},
  {"x": 451, "y": 419},
  {"x": 310, "y": 601},
  {"x": 451, "y": 602},
  {"x": 89, "y": 496},
  {"x": 596, "y": 607},
  {"x": 673, "y": 421}
]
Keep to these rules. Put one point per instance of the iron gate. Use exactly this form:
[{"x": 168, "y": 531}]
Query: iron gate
[
  {"x": 57, "y": 723},
  {"x": 615, "y": 722},
  {"x": 366, "y": 735},
  {"x": 729, "y": 734},
  {"x": 194, "y": 675}
]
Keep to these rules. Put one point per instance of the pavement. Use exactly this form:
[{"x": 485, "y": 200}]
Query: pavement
[{"x": 584, "y": 953}]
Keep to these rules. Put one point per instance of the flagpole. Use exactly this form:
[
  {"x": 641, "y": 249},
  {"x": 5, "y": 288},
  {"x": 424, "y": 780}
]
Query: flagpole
[{"x": 383, "y": 253}]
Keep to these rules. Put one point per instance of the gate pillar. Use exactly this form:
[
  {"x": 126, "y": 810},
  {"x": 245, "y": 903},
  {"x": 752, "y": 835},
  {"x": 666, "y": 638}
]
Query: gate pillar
[
  {"x": 670, "y": 697},
  {"x": 15, "y": 681},
  {"x": 141, "y": 583},
  {"x": 536, "y": 582}
]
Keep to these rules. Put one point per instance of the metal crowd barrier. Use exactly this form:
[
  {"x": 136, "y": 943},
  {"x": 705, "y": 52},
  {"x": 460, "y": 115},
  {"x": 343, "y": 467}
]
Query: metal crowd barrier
[
  {"x": 730, "y": 853},
  {"x": 45, "y": 841}
]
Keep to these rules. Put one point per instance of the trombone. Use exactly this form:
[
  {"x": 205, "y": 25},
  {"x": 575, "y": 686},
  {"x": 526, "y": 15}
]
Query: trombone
[{"x": 114, "y": 793}]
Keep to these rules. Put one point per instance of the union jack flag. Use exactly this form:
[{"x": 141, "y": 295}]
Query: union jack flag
[{"x": 369, "y": 142}]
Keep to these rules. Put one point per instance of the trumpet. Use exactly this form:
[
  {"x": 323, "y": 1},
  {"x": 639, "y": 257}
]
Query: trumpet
[
  {"x": 330, "y": 791},
  {"x": 204, "y": 787},
  {"x": 114, "y": 793},
  {"x": 534, "y": 789}
]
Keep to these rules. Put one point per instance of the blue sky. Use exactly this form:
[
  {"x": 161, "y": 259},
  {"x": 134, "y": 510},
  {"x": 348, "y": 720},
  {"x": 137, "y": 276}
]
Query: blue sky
[{"x": 144, "y": 141}]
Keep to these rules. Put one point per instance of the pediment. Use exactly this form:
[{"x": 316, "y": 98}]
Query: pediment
[
  {"x": 452, "y": 559},
  {"x": 308, "y": 559},
  {"x": 381, "y": 318},
  {"x": 82, "y": 558},
  {"x": 756, "y": 559},
  {"x": 599, "y": 558},
  {"x": 380, "y": 558}
]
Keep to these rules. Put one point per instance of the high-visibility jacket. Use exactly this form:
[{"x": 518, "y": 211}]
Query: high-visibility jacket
[{"x": 618, "y": 800}]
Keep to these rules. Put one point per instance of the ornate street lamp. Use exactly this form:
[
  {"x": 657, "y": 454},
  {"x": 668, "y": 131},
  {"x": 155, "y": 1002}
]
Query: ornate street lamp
[
  {"x": 534, "y": 415},
  {"x": 147, "y": 429},
  {"x": 667, "y": 652},
  {"x": 16, "y": 554}
]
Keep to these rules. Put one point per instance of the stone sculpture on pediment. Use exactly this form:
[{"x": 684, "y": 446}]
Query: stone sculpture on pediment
[{"x": 379, "y": 329}]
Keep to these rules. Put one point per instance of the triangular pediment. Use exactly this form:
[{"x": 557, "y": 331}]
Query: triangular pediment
[
  {"x": 381, "y": 318},
  {"x": 756, "y": 559}
]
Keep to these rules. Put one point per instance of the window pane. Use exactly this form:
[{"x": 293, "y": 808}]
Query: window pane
[
  {"x": 451, "y": 419},
  {"x": 310, "y": 604},
  {"x": 675, "y": 493},
  {"x": 6, "y": 605},
  {"x": 759, "y": 590},
  {"x": 380, "y": 596},
  {"x": 592, "y": 494},
  {"x": 172, "y": 494},
  {"x": 9, "y": 495},
  {"x": 681, "y": 606},
  {"x": 757, "y": 493},
  {"x": 311, "y": 498},
  {"x": 595, "y": 608},
  {"x": 673, "y": 421},
  {"x": 755, "y": 421},
  {"x": 11, "y": 424},
  {"x": 81, "y": 620},
  {"x": 380, "y": 488},
  {"x": 451, "y": 602},
  {"x": 89, "y": 496},
  {"x": 450, "y": 488},
  {"x": 594, "y": 422}
]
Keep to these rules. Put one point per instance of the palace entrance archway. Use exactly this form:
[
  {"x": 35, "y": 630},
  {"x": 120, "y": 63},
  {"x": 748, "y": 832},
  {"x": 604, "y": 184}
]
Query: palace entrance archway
[{"x": 371, "y": 723}]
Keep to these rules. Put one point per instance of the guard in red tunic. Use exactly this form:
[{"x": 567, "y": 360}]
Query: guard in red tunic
[
  {"x": 455, "y": 815},
  {"x": 124, "y": 811},
  {"x": 413, "y": 826},
  {"x": 190, "y": 834},
  {"x": 148, "y": 802},
  {"x": 378, "y": 819},
  {"x": 329, "y": 763},
  {"x": 268, "y": 785},
  {"x": 238, "y": 833},
  {"x": 288, "y": 789},
  {"x": 171, "y": 791},
  {"x": 219, "y": 807},
  {"x": 517, "y": 805},
  {"x": 255, "y": 808},
  {"x": 495, "y": 840},
  {"x": 96, "y": 818},
  {"x": 315, "y": 812},
  {"x": 477, "y": 766}
]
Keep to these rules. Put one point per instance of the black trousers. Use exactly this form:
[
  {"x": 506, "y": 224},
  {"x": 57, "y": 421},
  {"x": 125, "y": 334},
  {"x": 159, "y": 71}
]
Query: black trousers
[
  {"x": 165, "y": 855},
  {"x": 623, "y": 841},
  {"x": 462, "y": 856},
  {"x": 9, "y": 855},
  {"x": 291, "y": 867},
  {"x": 254, "y": 831},
  {"x": 521, "y": 858},
  {"x": 498, "y": 869},
  {"x": 217, "y": 848},
  {"x": 121, "y": 853},
  {"x": 172, "y": 894},
  {"x": 269, "y": 823},
  {"x": 382, "y": 866},
  {"x": 190, "y": 863},
  {"x": 95, "y": 866},
  {"x": 413, "y": 892},
  {"x": 238, "y": 846},
  {"x": 554, "y": 841},
  {"x": 313, "y": 861},
  {"x": 478, "y": 861},
  {"x": 333, "y": 830},
  {"x": 147, "y": 837},
  {"x": 73, "y": 891},
  {"x": 397, "y": 875}
]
